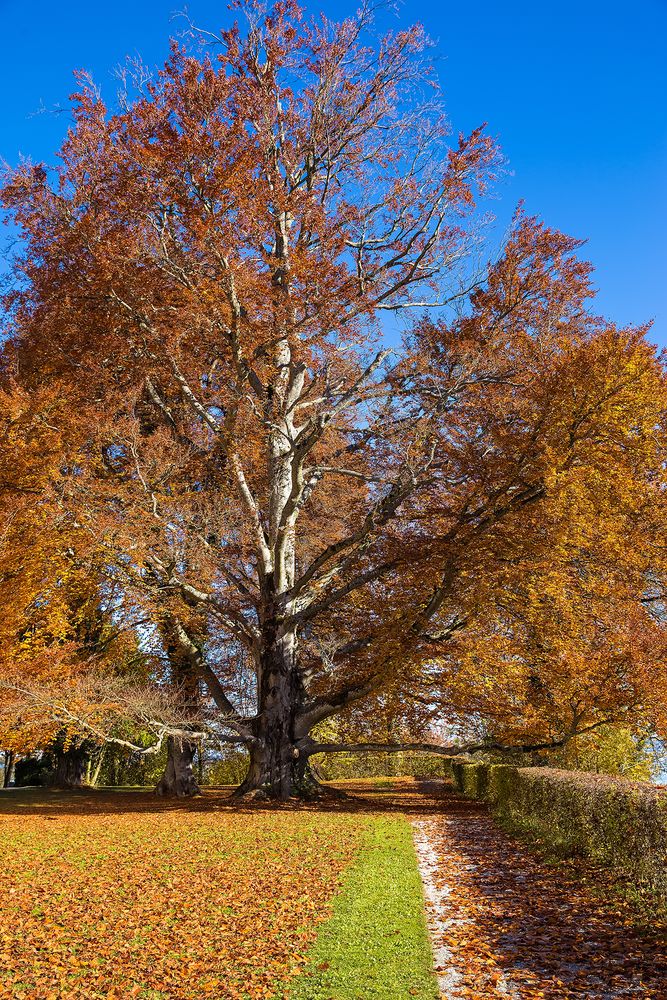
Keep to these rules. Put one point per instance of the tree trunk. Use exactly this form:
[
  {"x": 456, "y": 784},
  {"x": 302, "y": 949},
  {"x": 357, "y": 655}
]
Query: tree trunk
[
  {"x": 277, "y": 770},
  {"x": 70, "y": 768},
  {"x": 178, "y": 779},
  {"x": 9, "y": 767},
  {"x": 200, "y": 764},
  {"x": 98, "y": 767},
  {"x": 279, "y": 759}
]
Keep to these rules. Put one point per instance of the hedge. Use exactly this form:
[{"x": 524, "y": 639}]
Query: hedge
[
  {"x": 334, "y": 767},
  {"x": 620, "y": 823}
]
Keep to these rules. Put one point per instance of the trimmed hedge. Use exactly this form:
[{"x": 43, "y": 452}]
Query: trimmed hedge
[
  {"x": 615, "y": 821},
  {"x": 334, "y": 767}
]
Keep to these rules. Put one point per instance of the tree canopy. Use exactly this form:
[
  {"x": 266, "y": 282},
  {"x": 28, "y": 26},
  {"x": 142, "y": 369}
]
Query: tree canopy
[{"x": 208, "y": 431}]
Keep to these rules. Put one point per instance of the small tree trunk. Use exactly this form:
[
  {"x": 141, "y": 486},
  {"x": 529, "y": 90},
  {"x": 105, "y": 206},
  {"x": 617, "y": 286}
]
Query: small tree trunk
[
  {"x": 121, "y": 770},
  {"x": 178, "y": 778},
  {"x": 98, "y": 767},
  {"x": 9, "y": 767}
]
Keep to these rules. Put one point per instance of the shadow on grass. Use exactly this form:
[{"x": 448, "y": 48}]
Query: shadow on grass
[
  {"x": 560, "y": 925},
  {"x": 410, "y": 798}
]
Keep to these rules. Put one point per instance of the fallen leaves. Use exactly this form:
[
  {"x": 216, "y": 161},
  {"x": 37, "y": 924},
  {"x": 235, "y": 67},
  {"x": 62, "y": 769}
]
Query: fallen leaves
[
  {"x": 127, "y": 896},
  {"x": 514, "y": 926}
]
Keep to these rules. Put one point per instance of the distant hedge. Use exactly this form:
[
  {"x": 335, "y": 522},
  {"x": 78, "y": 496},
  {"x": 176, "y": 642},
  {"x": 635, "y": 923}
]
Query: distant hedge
[
  {"x": 618, "y": 822},
  {"x": 334, "y": 767}
]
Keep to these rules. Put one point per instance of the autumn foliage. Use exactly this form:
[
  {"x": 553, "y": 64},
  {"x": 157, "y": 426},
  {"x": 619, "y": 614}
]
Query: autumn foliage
[
  {"x": 209, "y": 427},
  {"x": 117, "y": 898}
]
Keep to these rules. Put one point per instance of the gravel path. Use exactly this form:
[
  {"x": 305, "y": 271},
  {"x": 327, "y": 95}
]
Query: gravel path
[{"x": 504, "y": 924}]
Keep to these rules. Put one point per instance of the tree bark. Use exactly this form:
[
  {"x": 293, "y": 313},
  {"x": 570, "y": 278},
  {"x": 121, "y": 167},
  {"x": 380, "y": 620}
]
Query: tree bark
[
  {"x": 98, "y": 767},
  {"x": 178, "y": 779},
  {"x": 9, "y": 767},
  {"x": 280, "y": 771},
  {"x": 200, "y": 764},
  {"x": 278, "y": 767},
  {"x": 70, "y": 768}
]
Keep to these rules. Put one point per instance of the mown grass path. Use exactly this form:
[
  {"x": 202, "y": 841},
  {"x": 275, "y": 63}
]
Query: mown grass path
[{"x": 375, "y": 946}]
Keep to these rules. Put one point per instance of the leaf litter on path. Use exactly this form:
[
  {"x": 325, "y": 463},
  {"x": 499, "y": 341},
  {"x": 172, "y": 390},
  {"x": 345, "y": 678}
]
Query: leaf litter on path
[{"x": 506, "y": 924}]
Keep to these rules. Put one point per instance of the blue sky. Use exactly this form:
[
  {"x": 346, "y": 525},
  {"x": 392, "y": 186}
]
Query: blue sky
[{"x": 575, "y": 91}]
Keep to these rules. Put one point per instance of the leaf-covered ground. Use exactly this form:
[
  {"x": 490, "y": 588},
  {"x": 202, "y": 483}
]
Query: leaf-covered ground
[
  {"x": 509, "y": 924},
  {"x": 121, "y": 896}
]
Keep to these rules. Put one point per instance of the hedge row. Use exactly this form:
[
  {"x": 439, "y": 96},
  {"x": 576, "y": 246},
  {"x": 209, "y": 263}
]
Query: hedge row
[
  {"x": 621, "y": 823},
  {"x": 334, "y": 767}
]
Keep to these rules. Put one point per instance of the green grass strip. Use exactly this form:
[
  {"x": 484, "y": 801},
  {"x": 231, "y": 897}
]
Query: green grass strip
[{"x": 376, "y": 944}]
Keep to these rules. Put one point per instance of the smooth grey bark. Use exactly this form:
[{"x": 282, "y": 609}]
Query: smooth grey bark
[
  {"x": 9, "y": 767},
  {"x": 95, "y": 777}
]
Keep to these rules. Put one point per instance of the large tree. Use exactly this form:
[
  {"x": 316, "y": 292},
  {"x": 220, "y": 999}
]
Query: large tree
[{"x": 467, "y": 519}]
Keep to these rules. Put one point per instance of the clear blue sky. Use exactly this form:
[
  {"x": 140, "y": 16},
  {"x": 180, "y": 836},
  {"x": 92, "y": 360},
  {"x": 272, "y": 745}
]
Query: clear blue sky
[{"x": 575, "y": 91}]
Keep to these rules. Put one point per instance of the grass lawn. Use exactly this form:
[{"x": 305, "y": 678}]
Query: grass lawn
[
  {"x": 376, "y": 944},
  {"x": 106, "y": 895}
]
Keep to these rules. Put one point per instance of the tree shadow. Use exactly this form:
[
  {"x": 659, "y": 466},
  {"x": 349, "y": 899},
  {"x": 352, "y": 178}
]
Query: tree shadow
[
  {"x": 401, "y": 796},
  {"x": 542, "y": 923},
  {"x": 560, "y": 927}
]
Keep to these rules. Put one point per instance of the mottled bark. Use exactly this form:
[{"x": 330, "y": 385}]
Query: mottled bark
[
  {"x": 178, "y": 779},
  {"x": 278, "y": 766},
  {"x": 280, "y": 751},
  {"x": 278, "y": 770},
  {"x": 69, "y": 767}
]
